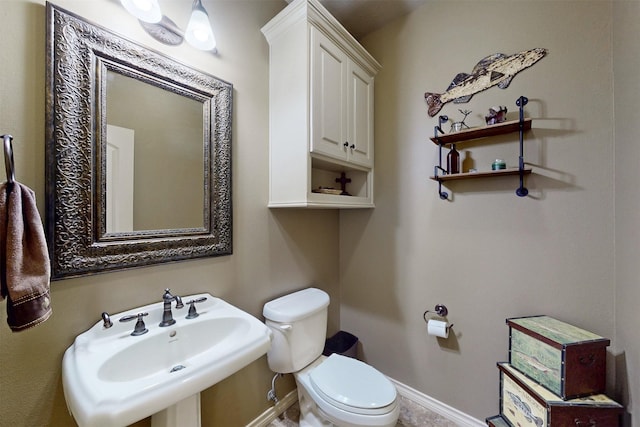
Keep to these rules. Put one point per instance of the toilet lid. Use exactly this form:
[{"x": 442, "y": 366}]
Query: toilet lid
[{"x": 352, "y": 385}]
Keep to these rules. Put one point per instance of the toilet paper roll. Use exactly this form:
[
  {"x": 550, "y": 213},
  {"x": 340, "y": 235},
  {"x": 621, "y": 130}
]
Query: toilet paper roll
[{"x": 438, "y": 328}]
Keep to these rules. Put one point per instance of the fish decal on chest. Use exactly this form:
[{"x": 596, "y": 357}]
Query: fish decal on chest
[{"x": 494, "y": 70}]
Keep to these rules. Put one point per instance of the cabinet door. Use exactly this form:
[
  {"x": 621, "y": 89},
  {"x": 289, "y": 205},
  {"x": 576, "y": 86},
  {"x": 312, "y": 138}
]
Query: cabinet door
[
  {"x": 360, "y": 116},
  {"x": 328, "y": 97}
]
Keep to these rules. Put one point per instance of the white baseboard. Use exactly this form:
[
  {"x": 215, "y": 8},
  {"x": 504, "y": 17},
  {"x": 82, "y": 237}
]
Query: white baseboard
[
  {"x": 274, "y": 412},
  {"x": 452, "y": 414}
]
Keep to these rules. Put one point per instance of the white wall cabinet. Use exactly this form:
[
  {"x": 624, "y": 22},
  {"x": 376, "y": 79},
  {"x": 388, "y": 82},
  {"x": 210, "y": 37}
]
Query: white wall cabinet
[
  {"x": 321, "y": 88},
  {"x": 342, "y": 101}
]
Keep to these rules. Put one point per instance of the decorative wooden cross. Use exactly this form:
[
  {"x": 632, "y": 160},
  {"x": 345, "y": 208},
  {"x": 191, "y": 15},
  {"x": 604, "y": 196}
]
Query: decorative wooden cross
[{"x": 343, "y": 180}]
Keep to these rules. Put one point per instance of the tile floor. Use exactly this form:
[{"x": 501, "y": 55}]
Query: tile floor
[{"x": 411, "y": 415}]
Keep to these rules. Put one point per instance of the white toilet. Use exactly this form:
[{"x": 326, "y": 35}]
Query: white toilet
[{"x": 332, "y": 391}]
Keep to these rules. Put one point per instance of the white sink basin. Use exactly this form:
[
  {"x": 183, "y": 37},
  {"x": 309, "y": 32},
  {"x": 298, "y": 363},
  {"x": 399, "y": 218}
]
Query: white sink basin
[{"x": 111, "y": 378}]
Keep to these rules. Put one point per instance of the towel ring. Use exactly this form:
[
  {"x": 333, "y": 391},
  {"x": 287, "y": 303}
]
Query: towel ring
[{"x": 8, "y": 158}]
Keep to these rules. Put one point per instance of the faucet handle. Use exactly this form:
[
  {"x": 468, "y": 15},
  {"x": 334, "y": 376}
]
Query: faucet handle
[
  {"x": 140, "y": 327},
  {"x": 192, "y": 307}
]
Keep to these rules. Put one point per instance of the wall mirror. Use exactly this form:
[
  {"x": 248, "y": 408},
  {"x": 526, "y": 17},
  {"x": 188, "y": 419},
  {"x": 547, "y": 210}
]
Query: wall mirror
[{"x": 138, "y": 153}]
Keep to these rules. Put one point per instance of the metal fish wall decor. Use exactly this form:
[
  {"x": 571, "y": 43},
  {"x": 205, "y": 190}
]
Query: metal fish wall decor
[{"x": 497, "y": 69}]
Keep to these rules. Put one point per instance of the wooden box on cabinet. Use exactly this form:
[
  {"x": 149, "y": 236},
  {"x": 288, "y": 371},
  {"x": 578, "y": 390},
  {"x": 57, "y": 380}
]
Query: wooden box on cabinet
[
  {"x": 321, "y": 83},
  {"x": 524, "y": 402},
  {"x": 567, "y": 360}
]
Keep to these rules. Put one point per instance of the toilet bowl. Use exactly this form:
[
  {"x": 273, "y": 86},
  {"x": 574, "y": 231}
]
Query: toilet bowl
[
  {"x": 332, "y": 391},
  {"x": 345, "y": 392}
]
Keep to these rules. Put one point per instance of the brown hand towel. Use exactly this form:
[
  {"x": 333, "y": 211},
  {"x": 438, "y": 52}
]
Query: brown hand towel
[{"x": 24, "y": 259}]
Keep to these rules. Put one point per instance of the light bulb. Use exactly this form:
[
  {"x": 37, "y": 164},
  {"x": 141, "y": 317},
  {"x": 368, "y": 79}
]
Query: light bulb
[
  {"x": 199, "y": 33},
  {"x": 144, "y": 10},
  {"x": 143, "y": 5}
]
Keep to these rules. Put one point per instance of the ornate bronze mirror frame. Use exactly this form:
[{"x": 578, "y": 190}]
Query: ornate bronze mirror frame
[{"x": 82, "y": 60}]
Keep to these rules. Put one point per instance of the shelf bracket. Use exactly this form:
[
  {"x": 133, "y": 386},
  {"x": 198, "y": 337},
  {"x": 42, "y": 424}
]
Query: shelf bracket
[
  {"x": 437, "y": 170},
  {"x": 522, "y": 190}
]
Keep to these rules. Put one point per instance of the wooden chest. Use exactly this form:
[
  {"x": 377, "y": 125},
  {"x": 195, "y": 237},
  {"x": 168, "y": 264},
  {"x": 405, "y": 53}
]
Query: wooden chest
[
  {"x": 523, "y": 402},
  {"x": 497, "y": 421},
  {"x": 569, "y": 361}
]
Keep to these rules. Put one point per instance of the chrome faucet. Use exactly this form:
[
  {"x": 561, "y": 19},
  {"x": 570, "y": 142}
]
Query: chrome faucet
[
  {"x": 106, "y": 320},
  {"x": 167, "y": 299}
]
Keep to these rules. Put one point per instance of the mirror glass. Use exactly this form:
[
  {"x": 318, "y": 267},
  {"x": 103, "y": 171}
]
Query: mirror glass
[
  {"x": 138, "y": 153},
  {"x": 154, "y": 160}
]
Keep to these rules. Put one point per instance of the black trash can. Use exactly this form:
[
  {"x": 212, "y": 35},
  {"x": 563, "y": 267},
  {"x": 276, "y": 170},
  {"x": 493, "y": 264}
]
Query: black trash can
[{"x": 342, "y": 343}]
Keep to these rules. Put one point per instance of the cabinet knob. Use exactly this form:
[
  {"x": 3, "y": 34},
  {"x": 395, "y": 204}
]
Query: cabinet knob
[
  {"x": 353, "y": 146},
  {"x": 346, "y": 144}
]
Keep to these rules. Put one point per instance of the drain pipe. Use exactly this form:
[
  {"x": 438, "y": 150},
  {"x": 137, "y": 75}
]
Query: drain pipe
[{"x": 271, "y": 394}]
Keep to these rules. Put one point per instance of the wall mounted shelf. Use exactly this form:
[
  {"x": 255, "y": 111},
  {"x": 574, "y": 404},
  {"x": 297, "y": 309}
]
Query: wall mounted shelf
[
  {"x": 484, "y": 132},
  {"x": 440, "y": 139},
  {"x": 483, "y": 174}
]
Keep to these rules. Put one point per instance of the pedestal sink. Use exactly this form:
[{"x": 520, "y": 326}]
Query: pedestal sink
[{"x": 112, "y": 378}]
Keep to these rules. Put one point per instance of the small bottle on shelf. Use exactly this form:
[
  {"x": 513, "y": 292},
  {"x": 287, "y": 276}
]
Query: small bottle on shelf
[{"x": 453, "y": 160}]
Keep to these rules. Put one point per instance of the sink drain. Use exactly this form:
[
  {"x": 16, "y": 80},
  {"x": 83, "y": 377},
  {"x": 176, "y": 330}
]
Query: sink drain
[{"x": 177, "y": 368}]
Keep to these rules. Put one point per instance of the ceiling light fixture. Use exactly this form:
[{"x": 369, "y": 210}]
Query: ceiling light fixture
[
  {"x": 144, "y": 10},
  {"x": 199, "y": 33}
]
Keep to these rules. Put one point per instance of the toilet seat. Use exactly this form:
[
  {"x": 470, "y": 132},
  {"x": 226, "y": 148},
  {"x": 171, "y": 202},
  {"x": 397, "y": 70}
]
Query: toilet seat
[{"x": 353, "y": 386}]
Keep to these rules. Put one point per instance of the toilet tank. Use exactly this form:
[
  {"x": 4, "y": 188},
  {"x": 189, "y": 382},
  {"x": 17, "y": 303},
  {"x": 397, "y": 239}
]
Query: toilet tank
[{"x": 299, "y": 325}]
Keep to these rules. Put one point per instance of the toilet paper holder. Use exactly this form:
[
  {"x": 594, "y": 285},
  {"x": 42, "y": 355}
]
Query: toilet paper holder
[{"x": 440, "y": 309}]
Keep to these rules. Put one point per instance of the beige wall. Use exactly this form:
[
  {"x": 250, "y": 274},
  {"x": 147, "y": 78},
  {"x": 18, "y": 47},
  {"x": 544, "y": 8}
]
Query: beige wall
[
  {"x": 489, "y": 255},
  {"x": 274, "y": 251},
  {"x": 626, "y": 68}
]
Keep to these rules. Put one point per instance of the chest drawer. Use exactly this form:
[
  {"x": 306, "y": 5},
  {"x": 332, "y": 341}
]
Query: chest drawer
[
  {"x": 569, "y": 361},
  {"x": 526, "y": 403},
  {"x": 497, "y": 421}
]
